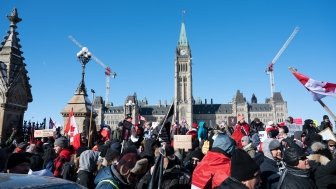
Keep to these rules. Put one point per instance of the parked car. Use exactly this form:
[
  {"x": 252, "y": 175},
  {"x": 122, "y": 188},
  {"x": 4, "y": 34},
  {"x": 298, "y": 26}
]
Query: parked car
[{"x": 23, "y": 181}]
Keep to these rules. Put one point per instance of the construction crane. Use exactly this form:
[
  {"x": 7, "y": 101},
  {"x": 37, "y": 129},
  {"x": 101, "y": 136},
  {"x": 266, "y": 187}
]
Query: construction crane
[
  {"x": 108, "y": 71},
  {"x": 269, "y": 69}
]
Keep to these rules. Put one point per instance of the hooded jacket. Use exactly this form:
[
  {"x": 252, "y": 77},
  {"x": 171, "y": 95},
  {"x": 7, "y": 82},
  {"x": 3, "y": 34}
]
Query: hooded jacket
[
  {"x": 322, "y": 168},
  {"x": 215, "y": 166},
  {"x": 269, "y": 168},
  {"x": 109, "y": 178}
]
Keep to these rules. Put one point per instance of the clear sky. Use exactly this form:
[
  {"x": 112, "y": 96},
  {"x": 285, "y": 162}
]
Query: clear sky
[{"x": 232, "y": 43}]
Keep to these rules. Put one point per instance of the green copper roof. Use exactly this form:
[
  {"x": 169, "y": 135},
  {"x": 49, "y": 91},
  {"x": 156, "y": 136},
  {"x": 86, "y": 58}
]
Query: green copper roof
[{"x": 183, "y": 36}]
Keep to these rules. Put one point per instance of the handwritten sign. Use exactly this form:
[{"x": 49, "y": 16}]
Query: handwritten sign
[
  {"x": 182, "y": 142},
  {"x": 262, "y": 135},
  {"x": 327, "y": 134},
  {"x": 292, "y": 128},
  {"x": 44, "y": 133}
]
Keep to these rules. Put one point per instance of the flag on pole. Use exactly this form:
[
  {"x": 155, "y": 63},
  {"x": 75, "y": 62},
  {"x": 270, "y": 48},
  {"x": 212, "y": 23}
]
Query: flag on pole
[
  {"x": 71, "y": 128},
  {"x": 319, "y": 89},
  {"x": 52, "y": 124}
]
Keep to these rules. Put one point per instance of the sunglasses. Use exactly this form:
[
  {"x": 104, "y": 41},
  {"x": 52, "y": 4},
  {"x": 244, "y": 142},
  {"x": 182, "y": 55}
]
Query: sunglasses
[{"x": 331, "y": 145}]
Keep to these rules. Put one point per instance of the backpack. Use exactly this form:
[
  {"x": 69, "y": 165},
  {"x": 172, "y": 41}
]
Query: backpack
[{"x": 68, "y": 171}]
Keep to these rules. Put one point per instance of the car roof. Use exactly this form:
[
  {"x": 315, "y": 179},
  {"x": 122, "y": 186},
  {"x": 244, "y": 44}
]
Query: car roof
[{"x": 25, "y": 181}]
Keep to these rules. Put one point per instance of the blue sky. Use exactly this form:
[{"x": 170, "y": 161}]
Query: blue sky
[{"x": 232, "y": 43}]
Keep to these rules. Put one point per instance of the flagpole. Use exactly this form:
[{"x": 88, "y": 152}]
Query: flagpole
[
  {"x": 326, "y": 108},
  {"x": 164, "y": 121}
]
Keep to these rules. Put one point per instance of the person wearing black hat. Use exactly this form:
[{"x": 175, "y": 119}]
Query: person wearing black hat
[
  {"x": 256, "y": 126},
  {"x": 326, "y": 123},
  {"x": 309, "y": 127},
  {"x": 245, "y": 172},
  {"x": 18, "y": 163},
  {"x": 297, "y": 173}
]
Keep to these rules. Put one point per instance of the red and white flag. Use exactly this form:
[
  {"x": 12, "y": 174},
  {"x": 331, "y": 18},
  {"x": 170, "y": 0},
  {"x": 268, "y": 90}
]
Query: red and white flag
[
  {"x": 319, "y": 89},
  {"x": 71, "y": 128}
]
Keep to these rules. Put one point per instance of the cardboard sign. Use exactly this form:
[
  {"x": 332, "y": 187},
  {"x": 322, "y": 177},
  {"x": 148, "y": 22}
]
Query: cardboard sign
[
  {"x": 292, "y": 128},
  {"x": 44, "y": 133},
  {"x": 262, "y": 135},
  {"x": 182, "y": 142},
  {"x": 327, "y": 134}
]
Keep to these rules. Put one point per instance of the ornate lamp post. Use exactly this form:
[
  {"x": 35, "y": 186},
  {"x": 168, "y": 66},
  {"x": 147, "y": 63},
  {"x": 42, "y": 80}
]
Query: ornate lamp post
[
  {"x": 84, "y": 56},
  {"x": 129, "y": 106}
]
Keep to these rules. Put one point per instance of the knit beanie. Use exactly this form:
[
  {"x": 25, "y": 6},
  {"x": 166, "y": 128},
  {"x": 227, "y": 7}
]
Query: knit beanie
[
  {"x": 61, "y": 142},
  {"x": 274, "y": 144},
  {"x": 243, "y": 167}
]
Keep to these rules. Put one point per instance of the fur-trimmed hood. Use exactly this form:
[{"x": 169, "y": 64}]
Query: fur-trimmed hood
[
  {"x": 317, "y": 146},
  {"x": 318, "y": 158}
]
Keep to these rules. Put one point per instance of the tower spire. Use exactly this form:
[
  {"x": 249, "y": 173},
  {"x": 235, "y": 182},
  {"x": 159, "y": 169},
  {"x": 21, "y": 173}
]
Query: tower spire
[
  {"x": 14, "y": 18},
  {"x": 183, "y": 41}
]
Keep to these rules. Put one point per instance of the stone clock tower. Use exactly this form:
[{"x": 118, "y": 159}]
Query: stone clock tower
[{"x": 183, "y": 111}]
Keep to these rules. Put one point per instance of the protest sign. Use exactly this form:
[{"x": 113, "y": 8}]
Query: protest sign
[
  {"x": 44, "y": 133},
  {"x": 327, "y": 134},
  {"x": 182, "y": 142}
]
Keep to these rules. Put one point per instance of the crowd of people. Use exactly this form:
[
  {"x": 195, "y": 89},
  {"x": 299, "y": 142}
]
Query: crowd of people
[{"x": 141, "y": 156}]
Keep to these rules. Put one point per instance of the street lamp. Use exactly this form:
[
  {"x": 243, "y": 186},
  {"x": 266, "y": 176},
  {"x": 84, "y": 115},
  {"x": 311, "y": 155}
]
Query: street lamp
[
  {"x": 84, "y": 56},
  {"x": 129, "y": 105},
  {"x": 90, "y": 128}
]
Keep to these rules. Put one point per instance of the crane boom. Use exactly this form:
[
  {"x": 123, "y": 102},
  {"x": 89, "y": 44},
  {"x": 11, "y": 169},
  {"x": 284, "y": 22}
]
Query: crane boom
[
  {"x": 285, "y": 45},
  {"x": 269, "y": 69},
  {"x": 107, "y": 70}
]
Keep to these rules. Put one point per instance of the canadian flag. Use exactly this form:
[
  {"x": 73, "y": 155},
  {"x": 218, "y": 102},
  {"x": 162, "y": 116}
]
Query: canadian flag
[
  {"x": 319, "y": 89},
  {"x": 71, "y": 129}
]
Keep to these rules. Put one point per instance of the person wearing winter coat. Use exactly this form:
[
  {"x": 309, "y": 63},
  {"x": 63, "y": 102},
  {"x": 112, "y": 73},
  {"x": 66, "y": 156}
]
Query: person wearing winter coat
[
  {"x": 63, "y": 155},
  {"x": 248, "y": 146},
  {"x": 309, "y": 127},
  {"x": 202, "y": 132},
  {"x": 271, "y": 166},
  {"x": 326, "y": 123},
  {"x": 297, "y": 174},
  {"x": 87, "y": 166},
  {"x": 123, "y": 175},
  {"x": 215, "y": 165},
  {"x": 322, "y": 167},
  {"x": 245, "y": 172}
]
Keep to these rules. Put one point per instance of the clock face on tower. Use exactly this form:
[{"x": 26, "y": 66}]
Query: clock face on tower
[{"x": 183, "y": 52}]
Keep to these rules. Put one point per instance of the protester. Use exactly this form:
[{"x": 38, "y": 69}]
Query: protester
[
  {"x": 271, "y": 165},
  {"x": 326, "y": 123},
  {"x": 245, "y": 172},
  {"x": 296, "y": 174},
  {"x": 215, "y": 166},
  {"x": 63, "y": 155},
  {"x": 256, "y": 126},
  {"x": 123, "y": 175},
  {"x": 248, "y": 146},
  {"x": 241, "y": 129},
  {"x": 309, "y": 127},
  {"x": 18, "y": 163}
]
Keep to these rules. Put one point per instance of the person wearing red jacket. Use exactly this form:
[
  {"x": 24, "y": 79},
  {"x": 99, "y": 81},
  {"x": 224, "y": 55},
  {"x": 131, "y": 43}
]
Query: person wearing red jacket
[
  {"x": 240, "y": 129},
  {"x": 63, "y": 155},
  {"x": 215, "y": 166}
]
